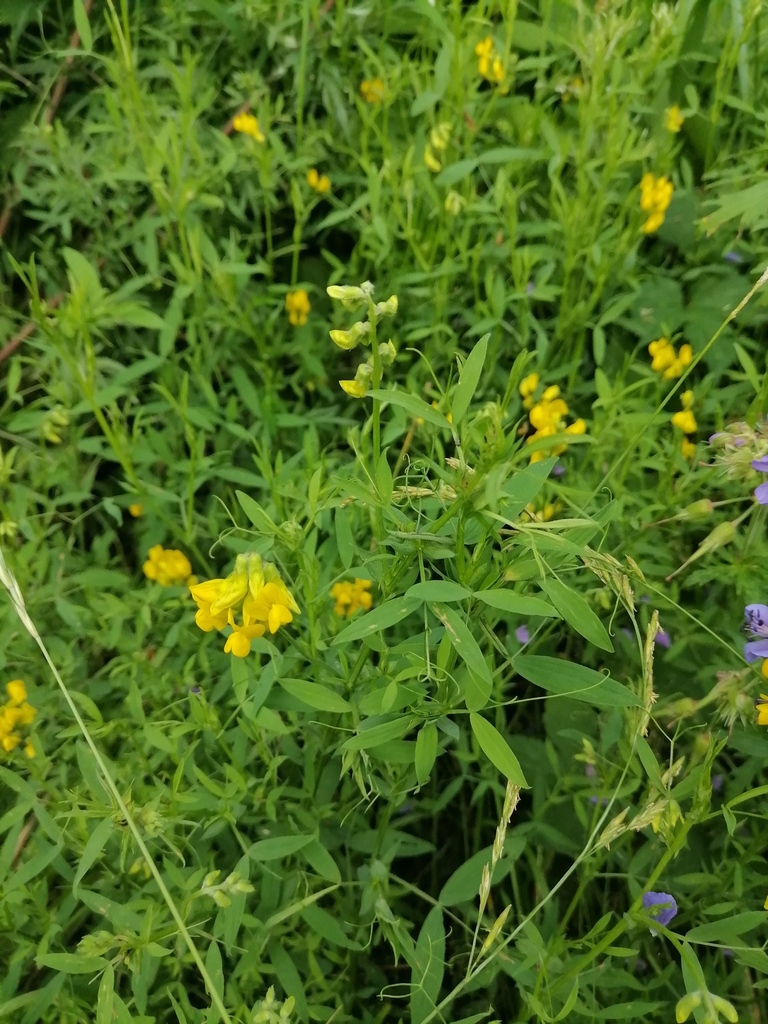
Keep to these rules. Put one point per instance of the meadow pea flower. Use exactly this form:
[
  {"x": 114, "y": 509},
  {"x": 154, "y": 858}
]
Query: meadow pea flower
[
  {"x": 354, "y": 388},
  {"x": 528, "y": 386},
  {"x": 136, "y": 509},
  {"x": 439, "y": 138},
  {"x": 167, "y": 566},
  {"x": 489, "y": 64},
  {"x": 756, "y": 616},
  {"x": 298, "y": 306},
  {"x": 319, "y": 182},
  {"x": 655, "y": 197},
  {"x": 253, "y": 589},
  {"x": 16, "y": 715},
  {"x": 673, "y": 119},
  {"x": 687, "y": 449},
  {"x": 372, "y": 90},
  {"x": 547, "y": 417},
  {"x": 685, "y": 420},
  {"x": 247, "y": 124},
  {"x": 661, "y": 906},
  {"x": 348, "y": 340},
  {"x": 666, "y": 361},
  {"x": 762, "y": 706},
  {"x": 350, "y": 596}
]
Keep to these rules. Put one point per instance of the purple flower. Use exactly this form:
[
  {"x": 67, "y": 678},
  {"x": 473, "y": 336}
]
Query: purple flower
[
  {"x": 717, "y": 783},
  {"x": 757, "y": 627},
  {"x": 761, "y": 465},
  {"x": 590, "y": 771},
  {"x": 663, "y": 639},
  {"x": 761, "y": 493},
  {"x": 756, "y": 649},
  {"x": 733, "y": 257},
  {"x": 661, "y": 906},
  {"x": 523, "y": 634},
  {"x": 558, "y": 469}
]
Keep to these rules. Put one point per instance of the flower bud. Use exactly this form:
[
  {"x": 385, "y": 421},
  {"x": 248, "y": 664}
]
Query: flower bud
[
  {"x": 387, "y": 351},
  {"x": 496, "y": 927},
  {"x": 686, "y": 1006},
  {"x": 350, "y": 296},
  {"x": 351, "y": 338},
  {"x": 728, "y": 1010},
  {"x": 388, "y": 308},
  {"x": 698, "y": 509}
]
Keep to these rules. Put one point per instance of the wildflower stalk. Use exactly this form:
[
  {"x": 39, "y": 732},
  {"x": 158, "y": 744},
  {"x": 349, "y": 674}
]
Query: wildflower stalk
[
  {"x": 8, "y": 580},
  {"x": 376, "y": 382}
]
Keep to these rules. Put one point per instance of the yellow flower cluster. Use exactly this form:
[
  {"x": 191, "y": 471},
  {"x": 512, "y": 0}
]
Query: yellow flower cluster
[
  {"x": 354, "y": 297},
  {"x": 256, "y": 590},
  {"x": 666, "y": 361},
  {"x": 489, "y": 64},
  {"x": 686, "y": 421},
  {"x": 298, "y": 305},
  {"x": 319, "y": 182},
  {"x": 372, "y": 90},
  {"x": 350, "y": 597},
  {"x": 439, "y": 138},
  {"x": 762, "y": 708},
  {"x": 673, "y": 119},
  {"x": 167, "y": 566},
  {"x": 655, "y": 197},
  {"x": 547, "y": 416},
  {"x": 247, "y": 124},
  {"x": 15, "y": 715},
  {"x": 543, "y": 514}
]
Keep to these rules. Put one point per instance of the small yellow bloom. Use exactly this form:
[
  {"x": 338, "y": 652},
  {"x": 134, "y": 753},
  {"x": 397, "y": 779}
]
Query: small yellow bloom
[
  {"x": 373, "y": 90},
  {"x": 762, "y": 705},
  {"x": 673, "y": 119},
  {"x": 431, "y": 160},
  {"x": 489, "y": 64},
  {"x": 247, "y": 124},
  {"x": 354, "y": 388},
  {"x": 298, "y": 305},
  {"x": 320, "y": 183},
  {"x": 17, "y": 692},
  {"x": 253, "y": 587},
  {"x": 167, "y": 566},
  {"x": 686, "y": 399},
  {"x": 350, "y": 597},
  {"x": 685, "y": 421},
  {"x": 577, "y": 427},
  {"x": 688, "y": 448},
  {"x": 29, "y": 750},
  {"x": 655, "y": 197},
  {"x": 527, "y": 387},
  {"x": 136, "y": 510}
]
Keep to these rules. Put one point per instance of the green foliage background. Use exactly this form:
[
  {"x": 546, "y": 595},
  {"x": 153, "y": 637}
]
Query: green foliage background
[{"x": 354, "y": 774}]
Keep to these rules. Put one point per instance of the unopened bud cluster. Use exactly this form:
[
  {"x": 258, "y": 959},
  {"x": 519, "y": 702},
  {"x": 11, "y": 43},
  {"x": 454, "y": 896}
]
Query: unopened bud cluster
[{"x": 353, "y": 297}]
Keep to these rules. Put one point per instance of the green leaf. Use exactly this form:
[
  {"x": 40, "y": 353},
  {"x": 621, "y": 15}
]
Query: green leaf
[
  {"x": 429, "y": 968},
  {"x": 517, "y": 604},
  {"x": 82, "y": 24},
  {"x": 523, "y": 487},
  {"x": 278, "y": 847},
  {"x": 464, "y": 643},
  {"x": 426, "y": 752},
  {"x": 72, "y": 963},
  {"x": 378, "y": 734},
  {"x": 456, "y": 172},
  {"x": 344, "y": 540},
  {"x": 469, "y": 378},
  {"x": 497, "y": 750},
  {"x": 96, "y": 843},
  {"x": 438, "y": 590},
  {"x": 413, "y": 405},
  {"x": 316, "y": 695},
  {"x": 577, "y": 613},
  {"x": 321, "y": 861},
  {"x": 255, "y": 513},
  {"x": 376, "y": 620},
  {"x": 566, "y": 679},
  {"x": 729, "y": 928}
]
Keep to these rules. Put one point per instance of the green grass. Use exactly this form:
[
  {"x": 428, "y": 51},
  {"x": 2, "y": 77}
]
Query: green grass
[{"x": 328, "y": 829}]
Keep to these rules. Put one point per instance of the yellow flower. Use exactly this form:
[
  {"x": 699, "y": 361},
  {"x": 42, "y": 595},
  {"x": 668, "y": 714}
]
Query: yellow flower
[
  {"x": 655, "y": 197},
  {"x": 685, "y": 421},
  {"x": 432, "y": 161},
  {"x": 15, "y": 716},
  {"x": 489, "y": 64},
  {"x": 666, "y": 361},
  {"x": 762, "y": 704},
  {"x": 29, "y": 750},
  {"x": 17, "y": 692},
  {"x": 686, "y": 399},
  {"x": 298, "y": 305},
  {"x": 577, "y": 427},
  {"x": 136, "y": 510},
  {"x": 688, "y": 448},
  {"x": 764, "y": 669},
  {"x": 350, "y": 597},
  {"x": 354, "y": 388},
  {"x": 257, "y": 591},
  {"x": 320, "y": 183},
  {"x": 527, "y": 387},
  {"x": 372, "y": 90},
  {"x": 247, "y": 124},
  {"x": 167, "y": 566},
  {"x": 673, "y": 119}
]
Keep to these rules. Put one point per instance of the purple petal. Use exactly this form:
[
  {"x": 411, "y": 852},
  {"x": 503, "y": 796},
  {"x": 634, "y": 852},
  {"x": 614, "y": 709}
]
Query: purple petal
[
  {"x": 761, "y": 493},
  {"x": 660, "y": 905},
  {"x": 558, "y": 469},
  {"x": 757, "y": 619},
  {"x": 756, "y": 649},
  {"x": 523, "y": 634},
  {"x": 717, "y": 783},
  {"x": 761, "y": 465},
  {"x": 663, "y": 639}
]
